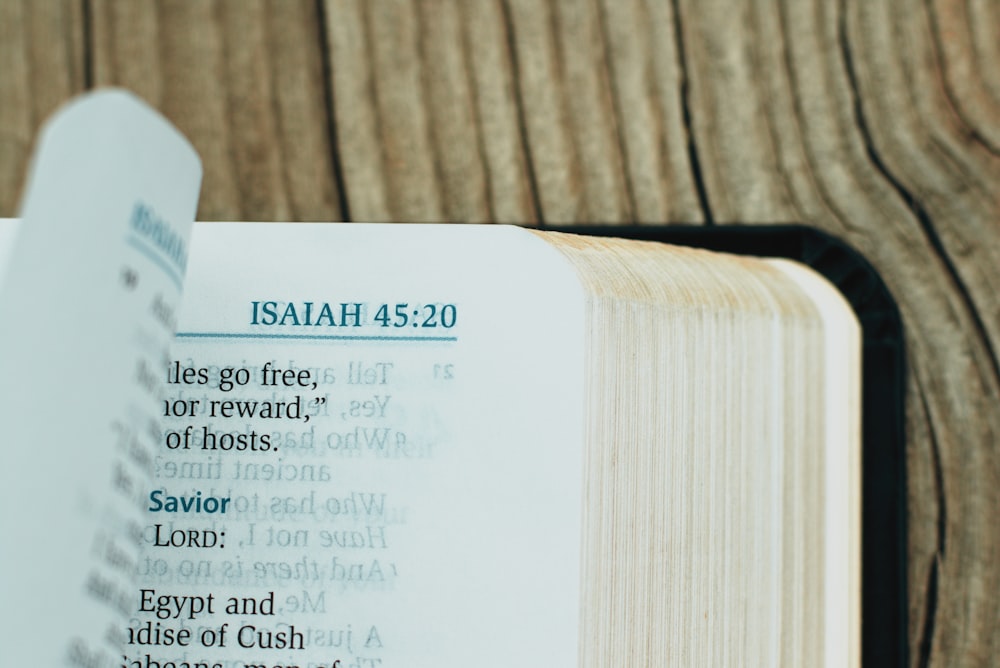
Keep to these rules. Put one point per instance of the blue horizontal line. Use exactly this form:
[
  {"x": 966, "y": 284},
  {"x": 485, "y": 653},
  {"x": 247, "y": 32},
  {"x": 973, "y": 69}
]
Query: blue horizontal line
[
  {"x": 155, "y": 258},
  {"x": 309, "y": 337}
]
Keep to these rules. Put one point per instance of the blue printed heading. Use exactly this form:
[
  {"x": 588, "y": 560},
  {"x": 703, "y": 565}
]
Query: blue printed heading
[{"x": 159, "y": 233}]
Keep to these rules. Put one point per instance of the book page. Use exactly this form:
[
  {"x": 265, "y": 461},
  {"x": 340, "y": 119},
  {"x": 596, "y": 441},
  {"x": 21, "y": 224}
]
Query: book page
[
  {"x": 841, "y": 464},
  {"x": 86, "y": 302},
  {"x": 371, "y": 453},
  {"x": 8, "y": 233}
]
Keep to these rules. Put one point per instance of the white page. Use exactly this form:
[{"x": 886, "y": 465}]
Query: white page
[
  {"x": 841, "y": 466},
  {"x": 467, "y": 552},
  {"x": 8, "y": 233},
  {"x": 84, "y": 325}
]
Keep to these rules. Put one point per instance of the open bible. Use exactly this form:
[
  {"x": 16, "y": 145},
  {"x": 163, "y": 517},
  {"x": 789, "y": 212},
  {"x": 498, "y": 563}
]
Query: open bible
[{"x": 430, "y": 445}]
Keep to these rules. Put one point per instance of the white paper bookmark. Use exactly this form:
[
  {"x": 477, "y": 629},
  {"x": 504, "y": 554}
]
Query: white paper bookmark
[{"x": 86, "y": 307}]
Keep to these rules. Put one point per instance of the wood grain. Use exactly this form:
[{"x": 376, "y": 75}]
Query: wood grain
[
  {"x": 426, "y": 112},
  {"x": 41, "y": 66},
  {"x": 244, "y": 80},
  {"x": 854, "y": 135},
  {"x": 924, "y": 150},
  {"x": 877, "y": 120}
]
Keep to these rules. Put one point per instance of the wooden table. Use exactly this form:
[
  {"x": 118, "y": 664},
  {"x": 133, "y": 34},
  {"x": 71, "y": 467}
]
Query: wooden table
[{"x": 877, "y": 121}]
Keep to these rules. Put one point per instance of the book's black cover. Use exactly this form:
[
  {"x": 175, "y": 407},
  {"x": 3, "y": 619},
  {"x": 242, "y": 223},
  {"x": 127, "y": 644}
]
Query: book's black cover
[{"x": 883, "y": 558}]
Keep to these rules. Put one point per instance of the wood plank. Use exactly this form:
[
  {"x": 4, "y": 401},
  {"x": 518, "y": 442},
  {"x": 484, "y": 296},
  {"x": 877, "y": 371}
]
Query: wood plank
[
  {"x": 569, "y": 117},
  {"x": 393, "y": 45},
  {"x": 851, "y": 130},
  {"x": 447, "y": 82},
  {"x": 648, "y": 89},
  {"x": 426, "y": 113},
  {"x": 355, "y": 109},
  {"x": 244, "y": 81},
  {"x": 42, "y": 64},
  {"x": 929, "y": 157},
  {"x": 967, "y": 39},
  {"x": 735, "y": 143},
  {"x": 383, "y": 111},
  {"x": 486, "y": 44},
  {"x": 504, "y": 110}
]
